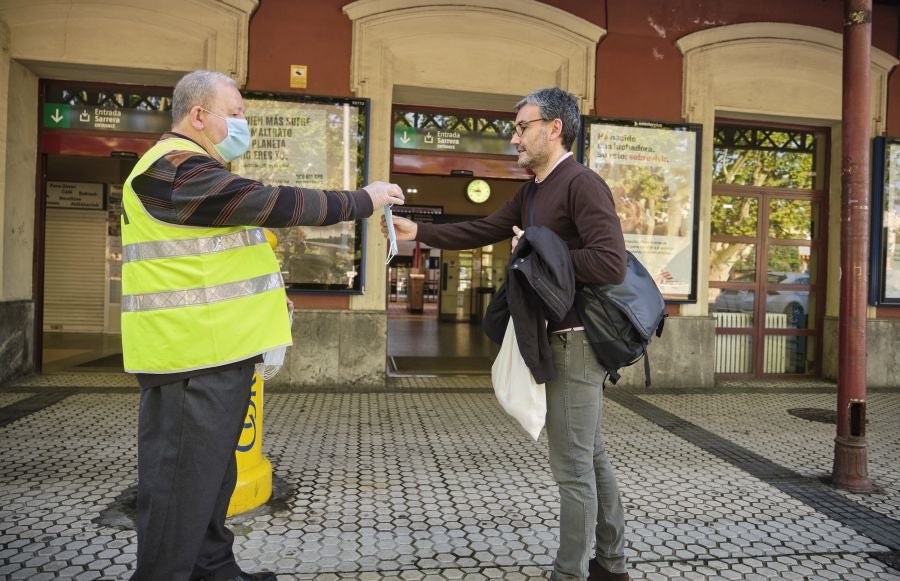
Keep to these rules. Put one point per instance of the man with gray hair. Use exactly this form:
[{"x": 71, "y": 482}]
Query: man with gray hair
[
  {"x": 202, "y": 301},
  {"x": 576, "y": 204}
]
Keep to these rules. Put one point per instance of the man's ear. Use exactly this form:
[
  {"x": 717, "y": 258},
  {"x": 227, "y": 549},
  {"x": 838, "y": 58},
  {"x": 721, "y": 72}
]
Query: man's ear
[
  {"x": 194, "y": 116},
  {"x": 556, "y": 128}
]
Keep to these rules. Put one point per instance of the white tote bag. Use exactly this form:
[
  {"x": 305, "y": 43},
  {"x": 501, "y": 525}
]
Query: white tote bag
[{"x": 518, "y": 393}]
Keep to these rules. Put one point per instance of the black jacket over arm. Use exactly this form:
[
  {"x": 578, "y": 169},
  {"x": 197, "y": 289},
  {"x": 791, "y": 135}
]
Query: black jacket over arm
[{"x": 540, "y": 285}]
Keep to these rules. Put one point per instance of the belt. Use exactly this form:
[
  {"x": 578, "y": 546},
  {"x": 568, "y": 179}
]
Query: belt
[{"x": 569, "y": 330}]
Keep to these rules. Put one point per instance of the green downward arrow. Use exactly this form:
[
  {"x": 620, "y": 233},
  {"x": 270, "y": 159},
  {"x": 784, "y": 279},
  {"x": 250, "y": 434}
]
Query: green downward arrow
[
  {"x": 404, "y": 137},
  {"x": 56, "y": 115}
]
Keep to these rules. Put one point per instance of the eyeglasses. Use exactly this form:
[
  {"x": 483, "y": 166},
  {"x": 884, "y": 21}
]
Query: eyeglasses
[{"x": 521, "y": 126}]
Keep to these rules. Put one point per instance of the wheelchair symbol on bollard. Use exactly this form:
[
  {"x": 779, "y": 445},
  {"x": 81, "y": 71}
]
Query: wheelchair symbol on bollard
[{"x": 249, "y": 425}]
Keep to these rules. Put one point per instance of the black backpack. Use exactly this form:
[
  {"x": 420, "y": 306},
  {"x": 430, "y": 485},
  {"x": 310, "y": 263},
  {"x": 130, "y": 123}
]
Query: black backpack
[{"x": 620, "y": 319}]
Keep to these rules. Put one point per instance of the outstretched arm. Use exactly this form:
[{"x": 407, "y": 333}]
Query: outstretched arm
[{"x": 196, "y": 190}]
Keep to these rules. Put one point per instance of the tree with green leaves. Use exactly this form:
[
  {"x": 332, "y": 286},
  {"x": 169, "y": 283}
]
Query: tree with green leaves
[{"x": 735, "y": 215}]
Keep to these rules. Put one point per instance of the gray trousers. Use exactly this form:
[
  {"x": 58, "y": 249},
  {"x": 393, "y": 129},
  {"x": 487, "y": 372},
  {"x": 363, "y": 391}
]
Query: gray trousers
[
  {"x": 187, "y": 434},
  {"x": 590, "y": 506}
]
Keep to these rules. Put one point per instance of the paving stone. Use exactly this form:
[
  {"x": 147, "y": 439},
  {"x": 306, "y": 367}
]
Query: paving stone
[{"x": 433, "y": 481}]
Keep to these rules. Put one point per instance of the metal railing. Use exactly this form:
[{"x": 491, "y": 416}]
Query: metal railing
[{"x": 734, "y": 353}]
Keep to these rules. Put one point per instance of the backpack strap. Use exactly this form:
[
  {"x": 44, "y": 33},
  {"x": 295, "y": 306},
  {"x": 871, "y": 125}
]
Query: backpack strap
[
  {"x": 646, "y": 367},
  {"x": 613, "y": 377}
]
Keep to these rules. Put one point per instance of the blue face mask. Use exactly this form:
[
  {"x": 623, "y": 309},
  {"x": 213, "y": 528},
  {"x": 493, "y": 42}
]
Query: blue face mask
[{"x": 237, "y": 142}]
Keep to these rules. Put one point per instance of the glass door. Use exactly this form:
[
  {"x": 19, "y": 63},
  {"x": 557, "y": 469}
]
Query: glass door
[{"x": 766, "y": 254}]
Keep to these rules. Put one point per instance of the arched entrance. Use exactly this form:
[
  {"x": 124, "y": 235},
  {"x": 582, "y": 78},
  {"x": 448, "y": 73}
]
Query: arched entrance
[
  {"x": 727, "y": 76},
  {"x": 417, "y": 54},
  {"x": 119, "y": 43}
]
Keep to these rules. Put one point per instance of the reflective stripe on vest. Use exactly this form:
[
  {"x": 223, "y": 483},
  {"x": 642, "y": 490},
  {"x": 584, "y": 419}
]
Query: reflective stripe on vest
[
  {"x": 201, "y": 296},
  {"x": 207, "y": 245}
]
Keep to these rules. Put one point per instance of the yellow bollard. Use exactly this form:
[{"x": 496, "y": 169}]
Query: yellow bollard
[{"x": 254, "y": 480}]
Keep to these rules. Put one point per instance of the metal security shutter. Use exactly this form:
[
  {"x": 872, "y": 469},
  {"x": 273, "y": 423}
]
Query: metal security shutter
[{"x": 75, "y": 270}]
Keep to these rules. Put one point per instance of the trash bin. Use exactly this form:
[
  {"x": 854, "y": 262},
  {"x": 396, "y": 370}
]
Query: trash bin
[
  {"x": 415, "y": 293},
  {"x": 483, "y": 296}
]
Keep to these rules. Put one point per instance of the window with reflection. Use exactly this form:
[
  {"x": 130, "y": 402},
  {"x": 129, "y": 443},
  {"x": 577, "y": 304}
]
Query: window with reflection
[
  {"x": 732, "y": 262},
  {"x": 791, "y": 219},
  {"x": 793, "y": 260},
  {"x": 767, "y": 157},
  {"x": 765, "y": 242},
  {"x": 734, "y": 215}
]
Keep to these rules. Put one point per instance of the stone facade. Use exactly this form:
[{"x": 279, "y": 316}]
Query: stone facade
[
  {"x": 336, "y": 349},
  {"x": 882, "y": 343},
  {"x": 16, "y": 339}
]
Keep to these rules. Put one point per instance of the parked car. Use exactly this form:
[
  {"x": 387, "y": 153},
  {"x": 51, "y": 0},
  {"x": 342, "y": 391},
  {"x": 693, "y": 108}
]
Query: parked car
[{"x": 793, "y": 303}]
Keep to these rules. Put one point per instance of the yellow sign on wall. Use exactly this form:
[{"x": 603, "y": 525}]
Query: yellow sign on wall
[{"x": 298, "y": 76}]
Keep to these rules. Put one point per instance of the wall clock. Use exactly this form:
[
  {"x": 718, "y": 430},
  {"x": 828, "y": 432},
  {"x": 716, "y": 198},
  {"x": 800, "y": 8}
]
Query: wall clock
[{"x": 478, "y": 191}]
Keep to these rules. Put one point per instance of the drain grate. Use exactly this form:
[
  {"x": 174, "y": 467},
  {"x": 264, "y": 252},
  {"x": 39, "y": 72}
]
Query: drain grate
[{"x": 815, "y": 415}]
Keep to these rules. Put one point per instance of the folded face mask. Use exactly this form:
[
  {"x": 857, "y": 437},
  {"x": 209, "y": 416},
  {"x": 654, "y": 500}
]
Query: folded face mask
[{"x": 392, "y": 235}]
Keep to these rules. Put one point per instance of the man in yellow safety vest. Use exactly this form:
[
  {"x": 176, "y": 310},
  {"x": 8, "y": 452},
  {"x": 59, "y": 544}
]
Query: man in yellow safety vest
[{"x": 202, "y": 300}]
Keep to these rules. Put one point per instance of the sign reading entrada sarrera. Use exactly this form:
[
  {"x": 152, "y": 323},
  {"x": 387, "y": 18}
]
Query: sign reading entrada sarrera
[
  {"x": 65, "y": 116},
  {"x": 452, "y": 133}
]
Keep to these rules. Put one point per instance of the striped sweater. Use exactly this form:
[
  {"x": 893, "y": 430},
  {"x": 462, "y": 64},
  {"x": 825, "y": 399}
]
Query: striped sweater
[{"x": 192, "y": 189}]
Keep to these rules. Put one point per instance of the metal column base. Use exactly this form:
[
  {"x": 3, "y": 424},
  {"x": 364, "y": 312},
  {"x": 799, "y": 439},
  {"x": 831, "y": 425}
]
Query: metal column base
[{"x": 850, "y": 471}]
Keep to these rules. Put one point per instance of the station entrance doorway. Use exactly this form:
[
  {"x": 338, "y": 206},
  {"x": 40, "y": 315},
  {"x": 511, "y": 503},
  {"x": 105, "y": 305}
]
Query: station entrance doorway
[
  {"x": 453, "y": 166},
  {"x": 436, "y": 298},
  {"x": 91, "y": 136}
]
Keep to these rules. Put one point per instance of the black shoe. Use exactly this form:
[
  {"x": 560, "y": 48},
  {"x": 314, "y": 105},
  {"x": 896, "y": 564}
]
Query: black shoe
[
  {"x": 596, "y": 572},
  {"x": 261, "y": 576}
]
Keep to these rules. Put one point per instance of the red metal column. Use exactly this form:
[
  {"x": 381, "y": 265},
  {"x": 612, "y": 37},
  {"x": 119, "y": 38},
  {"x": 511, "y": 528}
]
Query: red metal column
[{"x": 850, "y": 469}]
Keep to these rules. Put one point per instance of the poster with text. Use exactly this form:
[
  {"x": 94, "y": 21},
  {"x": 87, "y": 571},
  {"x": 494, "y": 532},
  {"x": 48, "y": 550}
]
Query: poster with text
[
  {"x": 315, "y": 143},
  {"x": 651, "y": 170},
  {"x": 891, "y": 217}
]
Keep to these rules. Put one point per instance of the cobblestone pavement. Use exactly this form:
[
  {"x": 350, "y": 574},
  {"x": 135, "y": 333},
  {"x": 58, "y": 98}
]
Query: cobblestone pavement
[{"x": 428, "y": 479}]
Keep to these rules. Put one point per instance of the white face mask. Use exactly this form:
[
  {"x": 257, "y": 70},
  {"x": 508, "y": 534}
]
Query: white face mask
[
  {"x": 392, "y": 234},
  {"x": 237, "y": 142}
]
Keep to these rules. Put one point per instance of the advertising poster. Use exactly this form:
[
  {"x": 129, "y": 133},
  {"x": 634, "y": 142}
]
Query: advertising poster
[
  {"x": 891, "y": 221},
  {"x": 317, "y": 144},
  {"x": 651, "y": 170}
]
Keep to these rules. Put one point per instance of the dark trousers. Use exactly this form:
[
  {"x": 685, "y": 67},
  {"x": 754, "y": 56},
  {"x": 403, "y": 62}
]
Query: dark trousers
[{"x": 187, "y": 434}]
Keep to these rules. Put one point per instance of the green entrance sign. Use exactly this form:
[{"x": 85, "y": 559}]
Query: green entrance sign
[
  {"x": 64, "y": 116},
  {"x": 56, "y": 115},
  {"x": 405, "y": 137},
  {"x": 432, "y": 139},
  {"x": 452, "y": 134}
]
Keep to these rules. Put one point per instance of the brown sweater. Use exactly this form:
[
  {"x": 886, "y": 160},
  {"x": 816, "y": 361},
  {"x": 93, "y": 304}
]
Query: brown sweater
[{"x": 575, "y": 203}]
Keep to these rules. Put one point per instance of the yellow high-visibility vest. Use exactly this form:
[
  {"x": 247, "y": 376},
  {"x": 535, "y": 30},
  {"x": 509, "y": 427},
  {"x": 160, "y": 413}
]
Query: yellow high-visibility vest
[{"x": 195, "y": 297}]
